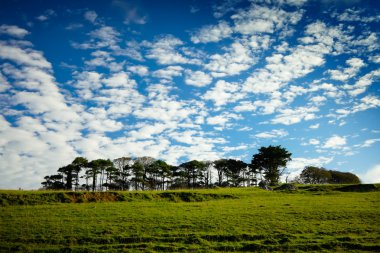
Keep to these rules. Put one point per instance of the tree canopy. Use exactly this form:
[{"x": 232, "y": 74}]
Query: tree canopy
[
  {"x": 272, "y": 161},
  {"x": 147, "y": 173},
  {"x": 315, "y": 175}
]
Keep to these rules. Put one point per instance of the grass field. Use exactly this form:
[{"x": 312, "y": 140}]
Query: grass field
[{"x": 246, "y": 219}]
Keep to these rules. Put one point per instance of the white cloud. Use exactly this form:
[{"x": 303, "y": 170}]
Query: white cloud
[
  {"x": 245, "y": 129},
  {"x": 197, "y": 78},
  {"x": 103, "y": 37},
  {"x": 165, "y": 51},
  {"x": 375, "y": 58},
  {"x": 281, "y": 69},
  {"x": 276, "y": 133},
  {"x": 224, "y": 7},
  {"x": 318, "y": 99},
  {"x": 4, "y": 84},
  {"x": 186, "y": 137},
  {"x": 139, "y": 70},
  {"x": 240, "y": 147},
  {"x": 293, "y": 116},
  {"x": 260, "y": 42},
  {"x": 120, "y": 79},
  {"x": 263, "y": 107},
  {"x": 91, "y": 16},
  {"x": 314, "y": 142},
  {"x": 363, "y": 83},
  {"x": 23, "y": 56},
  {"x": 367, "y": 102},
  {"x": 370, "y": 42},
  {"x": 133, "y": 14},
  {"x": 237, "y": 59},
  {"x": 315, "y": 126},
  {"x": 372, "y": 175},
  {"x": 46, "y": 15},
  {"x": 104, "y": 59},
  {"x": 368, "y": 143},
  {"x": 222, "y": 119},
  {"x": 39, "y": 139},
  {"x": 261, "y": 19},
  {"x": 168, "y": 73},
  {"x": 212, "y": 33},
  {"x": 223, "y": 92},
  {"x": 13, "y": 31},
  {"x": 354, "y": 15},
  {"x": 355, "y": 64},
  {"x": 166, "y": 108},
  {"x": 245, "y": 106},
  {"x": 335, "y": 142},
  {"x": 217, "y": 120},
  {"x": 97, "y": 120}
]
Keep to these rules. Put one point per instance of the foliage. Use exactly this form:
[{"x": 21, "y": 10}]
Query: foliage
[
  {"x": 272, "y": 160},
  {"x": 315, "y": 175},
  {"x": 338, "y": 177},
  {"x": 147, "y": 173}
]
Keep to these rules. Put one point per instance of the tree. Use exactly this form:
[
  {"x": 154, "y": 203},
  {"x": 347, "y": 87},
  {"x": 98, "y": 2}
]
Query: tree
[
  {"x": 234, "y": 171},
  {"x": 315, "y": 175},
  {"x": 78, "y": 164},
  {"x": 140, "y": 169},
  {"x": 157, "y": 174},
  {"x": 272, "y": 160},
  {"x": 193, "y": 170},
  {"x": 220, "y": 166},
  {"x": 53, "y": 182},
  {"x": 96, "y": 167},
  {"x": 207, "y": 175},
  {"x": 338, "y": 177},
  {"x": 68, "y": 171},
  {"x": 124, "y": 167}
]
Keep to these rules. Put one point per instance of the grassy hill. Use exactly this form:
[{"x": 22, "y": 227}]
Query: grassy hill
[{"x": 331, "y": 218}]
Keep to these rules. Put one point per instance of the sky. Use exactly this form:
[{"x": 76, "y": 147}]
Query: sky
[{"x": 190, "y": 79}]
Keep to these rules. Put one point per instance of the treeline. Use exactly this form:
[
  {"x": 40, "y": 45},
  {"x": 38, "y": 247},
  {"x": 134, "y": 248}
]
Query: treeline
[
  {"x": 315, "y": 175},
  {"x": 147, "y": 173}
]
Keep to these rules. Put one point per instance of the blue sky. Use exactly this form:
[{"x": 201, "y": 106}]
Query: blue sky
[{"x": 182, "y": 80}]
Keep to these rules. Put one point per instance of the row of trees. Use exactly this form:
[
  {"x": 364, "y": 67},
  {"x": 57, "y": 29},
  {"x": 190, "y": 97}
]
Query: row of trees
[
  {"x": 315, "y": 175},
  {"x": 143, "y": 173},
  {"x": 147, "y": 173}
]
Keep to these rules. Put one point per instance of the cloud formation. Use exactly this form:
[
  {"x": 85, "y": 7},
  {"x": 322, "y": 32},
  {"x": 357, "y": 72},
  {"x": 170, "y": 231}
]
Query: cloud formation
[{"x": 106, "y": 82}]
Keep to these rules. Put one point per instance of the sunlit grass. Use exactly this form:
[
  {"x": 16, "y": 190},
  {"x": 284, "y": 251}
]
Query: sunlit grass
[{"x": 253, "y": 220}]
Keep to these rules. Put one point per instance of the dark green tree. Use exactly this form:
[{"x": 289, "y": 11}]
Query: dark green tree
[
  {"x": 96, "y": 167},
  {"x": 68, "y": 172},
  {"x": 179, "y": 178},
  {"x": 193, "y": 170},
  {"x": 140, "y": 171},
  {"x": 315, "y": 175},
  {"x": 235, "y": 171},
  {"x": 53, "y": 182},
  {"x": 124, "y": 167},
  {"x": 207, "y": 174},
  {"x": 220, "y": 166},
  {"x": 272, "y": 161},
  {"x": 159, "y": 172},
  {"x": 338, "y": 177},
  {"x": 78, "y": 164}
]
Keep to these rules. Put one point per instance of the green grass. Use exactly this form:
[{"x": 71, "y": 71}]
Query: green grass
[{"x": 227, "y": 220}]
